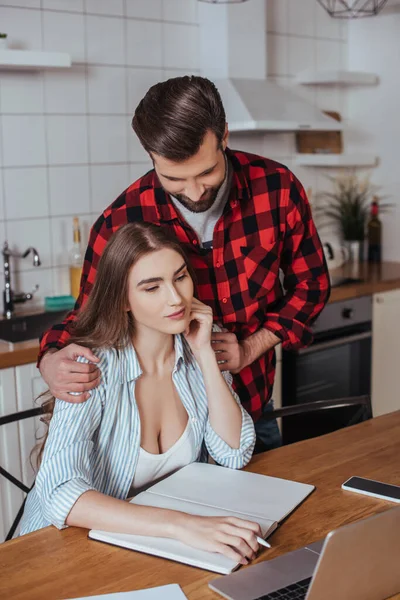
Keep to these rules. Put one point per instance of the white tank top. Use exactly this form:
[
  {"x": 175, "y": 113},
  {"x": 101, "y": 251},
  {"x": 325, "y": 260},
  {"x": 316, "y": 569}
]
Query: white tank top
[{"x": 153, "y": 467}]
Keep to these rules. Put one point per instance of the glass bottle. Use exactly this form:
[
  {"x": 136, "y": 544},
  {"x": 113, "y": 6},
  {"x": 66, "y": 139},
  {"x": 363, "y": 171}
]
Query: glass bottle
[
  {"x": 374, "y": 234},
  {"x": 75, "y": 260}
]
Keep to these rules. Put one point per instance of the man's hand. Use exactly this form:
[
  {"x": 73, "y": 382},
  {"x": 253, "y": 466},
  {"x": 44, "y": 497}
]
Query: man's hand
[
  {"x": 63, "y": 374},
  {"x": 231, "y": 355},
  {"x": 234, "y": 356}
]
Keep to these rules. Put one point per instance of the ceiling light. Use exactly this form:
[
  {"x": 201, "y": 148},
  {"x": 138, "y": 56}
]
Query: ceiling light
[{"x": 352, "y": 9}]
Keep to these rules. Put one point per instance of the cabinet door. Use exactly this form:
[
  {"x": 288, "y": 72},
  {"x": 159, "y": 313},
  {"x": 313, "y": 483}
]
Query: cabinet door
[
  {"x": 29, "y": 385},
  {"x": 11, "y": 497},
  {"x": 385, "y": 352}
]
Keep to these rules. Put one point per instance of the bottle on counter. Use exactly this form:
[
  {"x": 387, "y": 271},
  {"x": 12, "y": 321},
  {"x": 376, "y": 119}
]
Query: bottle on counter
[
  {"x": 374, "y": 234},
  {"x": 75, "y": 260}
]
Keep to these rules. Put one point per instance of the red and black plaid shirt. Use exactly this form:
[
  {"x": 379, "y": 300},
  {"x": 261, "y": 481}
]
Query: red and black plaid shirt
[{"x": 266, "y": 226}]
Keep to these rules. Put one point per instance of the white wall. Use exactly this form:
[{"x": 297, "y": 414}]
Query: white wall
[
  {"x": 374, "y": 111},
  {"x": 66, "y": 145}
]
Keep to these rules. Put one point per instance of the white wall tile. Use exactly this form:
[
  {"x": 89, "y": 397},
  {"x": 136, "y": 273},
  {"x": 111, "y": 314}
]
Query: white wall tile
[
  {"x": 137, "y": 170},
  {"x": 24, "y": 28},
  {"x": 326, "y": 26},
  {"x": 136, "y": 152},
  {"x": 277, "y": 16},
  {"x": 105, "y": 7},
  {"x": 144, "y": 43},
  {"x": 26, "y": 193},
  {"x": 23, "y": 233},
  {"x": 64, "y": 5},
  {"x": 105, "y": 40},
  {"x": 21, "y": 3},
  {"x": 2, "y": 212},
  {"x": 301, "y": 55},
  {"x": 69, "y": 190},
  {"x": 64, "y": 32},
  {"x": 171, "y": 73},
  {"x": 139, "y": 82},
  {"x": 107, "y": 183},
  {"x": 107, "y": 90},
  {"x": 143, "y": 9},
  {"x": 301, "y": 17},
  {"x": 329, "y": 54},
  {"x": 278, "y": 146},
  {"x": 22, "y": 94},
  {"x": 65, "y": 91},
  {"x": 23, "y": 140},
  {"x": 181, "y": 46},
  {"x": 108, "y": 139},
  {"x": 277, "y": 54},
  {"x": 67, "y": 139},
  {"x": 62, "y": 238},
  {"x": 184, "y": 11}
]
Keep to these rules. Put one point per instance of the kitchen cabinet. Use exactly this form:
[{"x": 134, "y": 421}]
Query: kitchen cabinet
[
  {"x": 385, "y": 352},
  {"x": 19, "y": 386}
]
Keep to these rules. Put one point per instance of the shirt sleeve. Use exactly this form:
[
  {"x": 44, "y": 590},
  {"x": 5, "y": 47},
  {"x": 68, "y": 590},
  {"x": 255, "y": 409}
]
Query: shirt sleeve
[
  {"x": 65, "y": 472},
  {"x": 58, "y": 335},
  {"x": 221, "y": 452},
  {"x": 306, "y": 278}
]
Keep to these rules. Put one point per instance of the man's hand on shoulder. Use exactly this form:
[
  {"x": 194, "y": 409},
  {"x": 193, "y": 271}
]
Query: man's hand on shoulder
[{"x": 63, "y": 374}]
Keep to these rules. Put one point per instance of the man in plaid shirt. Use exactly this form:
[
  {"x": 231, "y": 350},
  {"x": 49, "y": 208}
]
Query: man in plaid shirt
[{"x": 241, "y": 219}]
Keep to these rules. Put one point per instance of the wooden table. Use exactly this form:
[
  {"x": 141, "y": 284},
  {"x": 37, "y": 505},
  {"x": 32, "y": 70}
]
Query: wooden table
[{"x": 51, "y": 564}]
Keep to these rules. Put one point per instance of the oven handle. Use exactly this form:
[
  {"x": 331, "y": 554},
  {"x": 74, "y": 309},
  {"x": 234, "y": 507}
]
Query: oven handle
[{"x": 334, "y": 343}]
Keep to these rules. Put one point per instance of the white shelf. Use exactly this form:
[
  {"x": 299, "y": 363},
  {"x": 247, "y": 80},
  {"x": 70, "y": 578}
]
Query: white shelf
[
  {"x": 33, "y": 60},
  {"x": 337, "y": 77},
  {"x": 336, "y": 160}
]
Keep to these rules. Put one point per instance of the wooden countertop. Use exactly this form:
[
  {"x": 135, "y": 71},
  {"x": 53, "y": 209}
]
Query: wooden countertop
[
  {"x": 376, "y": 278},
  {"x": 55, "y": 564}
]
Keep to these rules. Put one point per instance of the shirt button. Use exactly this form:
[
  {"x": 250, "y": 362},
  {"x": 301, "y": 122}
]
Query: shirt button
[
  {"x": 194, "y": 242},
  {"x": 194, "y": 420},
  {"x": 218, "y": 265},
  {"x": 224, "y": 300}
]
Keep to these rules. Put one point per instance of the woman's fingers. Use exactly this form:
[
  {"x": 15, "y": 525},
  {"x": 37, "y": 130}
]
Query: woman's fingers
[
  {"x": 243, "y": 523},
  {"x": 230, "y": 553},
  {"x": 238, "y": 544}
]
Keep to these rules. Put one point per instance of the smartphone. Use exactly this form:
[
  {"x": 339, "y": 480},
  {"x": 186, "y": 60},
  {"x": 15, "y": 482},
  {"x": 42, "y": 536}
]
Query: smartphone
[{"x": 369, "y": 487}]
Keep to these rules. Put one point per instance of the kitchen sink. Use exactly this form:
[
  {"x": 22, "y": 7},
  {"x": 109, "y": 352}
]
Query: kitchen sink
[{"x": 29, "y": 326}]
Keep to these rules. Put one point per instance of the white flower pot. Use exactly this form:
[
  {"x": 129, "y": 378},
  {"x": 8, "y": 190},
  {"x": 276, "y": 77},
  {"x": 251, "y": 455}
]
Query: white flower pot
[{"x": 3, "y": 43}]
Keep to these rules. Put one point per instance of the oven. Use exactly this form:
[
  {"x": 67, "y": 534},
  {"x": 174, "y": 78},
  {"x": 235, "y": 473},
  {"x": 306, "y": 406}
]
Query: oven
[{"x": 336, "y": 365}]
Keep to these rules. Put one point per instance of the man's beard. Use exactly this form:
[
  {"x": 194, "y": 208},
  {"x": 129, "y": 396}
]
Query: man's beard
[{"x": 205, "y": 202}]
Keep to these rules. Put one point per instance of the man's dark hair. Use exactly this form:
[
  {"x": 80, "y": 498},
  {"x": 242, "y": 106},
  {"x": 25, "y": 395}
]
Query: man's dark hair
[{"x": 174, "y": 116}]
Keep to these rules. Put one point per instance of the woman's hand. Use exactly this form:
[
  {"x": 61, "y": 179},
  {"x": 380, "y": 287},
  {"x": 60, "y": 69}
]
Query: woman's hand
[
  {"x": 198, "y": 331},
  {"x": 234, "y": 538}
]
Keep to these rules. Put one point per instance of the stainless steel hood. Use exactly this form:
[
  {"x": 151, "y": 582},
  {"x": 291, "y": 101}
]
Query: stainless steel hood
[
  {"x": 233, "y": 54},
  {"x": 263, "y": 105}
]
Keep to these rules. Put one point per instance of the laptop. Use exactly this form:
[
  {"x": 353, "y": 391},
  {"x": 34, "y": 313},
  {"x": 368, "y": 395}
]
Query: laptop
[{"x": 359, "y": 561}]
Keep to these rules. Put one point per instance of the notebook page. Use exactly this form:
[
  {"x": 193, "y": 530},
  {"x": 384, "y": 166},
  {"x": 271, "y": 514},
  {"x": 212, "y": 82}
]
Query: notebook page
[{"x": 250, "y": 495}]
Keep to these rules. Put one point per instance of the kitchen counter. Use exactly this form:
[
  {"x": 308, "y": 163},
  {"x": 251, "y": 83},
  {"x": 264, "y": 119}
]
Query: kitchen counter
[
  {"x": 376, "y": 278},
  {"x": 21, "y": 353}
]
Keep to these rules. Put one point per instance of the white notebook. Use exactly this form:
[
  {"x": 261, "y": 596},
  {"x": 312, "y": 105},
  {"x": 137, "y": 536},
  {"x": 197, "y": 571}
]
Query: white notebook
[{"x": 210, "y": 490}]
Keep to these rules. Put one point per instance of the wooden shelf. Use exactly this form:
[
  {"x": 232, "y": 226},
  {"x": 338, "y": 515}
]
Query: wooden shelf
[
  {"x": 336, "y": 160},
  {"x": 33, "y": 60},
  {"x": 337, "y": 77}
]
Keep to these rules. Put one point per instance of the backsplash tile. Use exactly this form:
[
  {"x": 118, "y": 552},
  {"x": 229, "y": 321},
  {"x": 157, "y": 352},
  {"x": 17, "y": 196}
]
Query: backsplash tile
[
  {"x": 69, "y": 190},
  {"x": 67, "y": 139},
  {"x": 26, "y": 192},
  {"x": 23, "y": 140}
]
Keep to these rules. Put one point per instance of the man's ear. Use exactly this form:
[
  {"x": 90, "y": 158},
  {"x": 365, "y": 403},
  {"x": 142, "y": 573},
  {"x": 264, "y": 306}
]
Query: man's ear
[{"x": 225, "y": 138}]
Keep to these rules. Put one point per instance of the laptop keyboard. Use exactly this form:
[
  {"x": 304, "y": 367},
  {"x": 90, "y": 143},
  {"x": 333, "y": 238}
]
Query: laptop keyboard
[{"x": 296, "y": 591}]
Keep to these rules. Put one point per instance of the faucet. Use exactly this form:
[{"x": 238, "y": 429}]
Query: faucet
[{"x": 9, "y": 297}]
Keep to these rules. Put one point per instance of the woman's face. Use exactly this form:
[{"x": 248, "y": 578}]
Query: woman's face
[{"x": 160, "y": 291}]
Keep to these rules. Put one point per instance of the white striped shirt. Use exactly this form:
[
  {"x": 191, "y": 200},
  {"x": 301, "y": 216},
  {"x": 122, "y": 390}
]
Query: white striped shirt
[{"x": 95, "y": 445}]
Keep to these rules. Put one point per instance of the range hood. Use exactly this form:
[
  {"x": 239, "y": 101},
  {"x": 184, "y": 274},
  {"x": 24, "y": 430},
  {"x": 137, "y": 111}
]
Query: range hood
[
  {"x": 263, "y": 105},
  {"x": 233, "y": 54}
]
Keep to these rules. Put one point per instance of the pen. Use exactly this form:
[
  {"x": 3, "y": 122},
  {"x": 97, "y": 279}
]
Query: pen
[{"x": 263, "y": 542}]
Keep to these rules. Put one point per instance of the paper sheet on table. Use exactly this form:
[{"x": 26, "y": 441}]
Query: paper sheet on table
[{"x": 166, "y": 592}]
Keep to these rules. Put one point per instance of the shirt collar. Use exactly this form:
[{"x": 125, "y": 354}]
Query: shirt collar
[{"x": 131, "y": 370}]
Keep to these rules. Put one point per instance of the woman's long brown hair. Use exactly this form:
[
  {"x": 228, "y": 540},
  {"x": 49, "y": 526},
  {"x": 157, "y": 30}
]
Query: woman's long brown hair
[{"x": 104, "y": 321}]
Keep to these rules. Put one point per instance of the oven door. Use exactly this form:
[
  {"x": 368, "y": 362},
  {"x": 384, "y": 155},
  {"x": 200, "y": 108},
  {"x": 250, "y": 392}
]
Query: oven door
[{"x": 336, "y": 365}]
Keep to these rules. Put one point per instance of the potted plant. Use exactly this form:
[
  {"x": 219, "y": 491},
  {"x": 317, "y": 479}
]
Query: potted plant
[
  {"x": 3, "y": 41},
  {"x": 348, "y": 207}
]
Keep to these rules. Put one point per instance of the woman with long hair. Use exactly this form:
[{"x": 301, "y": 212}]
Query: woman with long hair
[{"x": 161, "y": 404}]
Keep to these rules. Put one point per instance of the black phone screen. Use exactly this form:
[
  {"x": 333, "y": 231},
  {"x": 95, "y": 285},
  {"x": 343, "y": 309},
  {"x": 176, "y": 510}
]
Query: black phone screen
[{"x": 374, "y": 487}]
